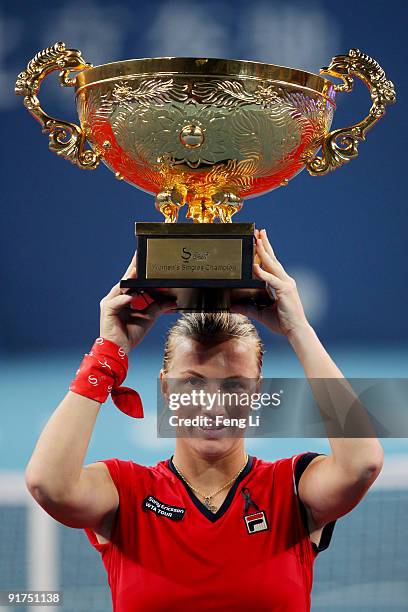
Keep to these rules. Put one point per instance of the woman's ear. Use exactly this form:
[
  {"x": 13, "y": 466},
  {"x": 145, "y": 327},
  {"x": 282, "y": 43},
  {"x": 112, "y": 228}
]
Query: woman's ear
[{"x": 163, "y": 383}]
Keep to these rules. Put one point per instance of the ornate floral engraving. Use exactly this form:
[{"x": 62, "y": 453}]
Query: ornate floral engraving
[
  {"x": 252, "y": 134},
  {"x": 231, "y": 94},
  {"x": 209, "y": 138},
  {"x": 150, "y": 91},
  {"x": 154, "y": 132}
]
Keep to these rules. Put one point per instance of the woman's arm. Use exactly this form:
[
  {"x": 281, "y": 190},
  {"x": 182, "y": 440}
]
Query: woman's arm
[
  {"x": 74, "y": 494},
  {"x": 330, "y": 486},
  {"x": 337, "y": 401}
]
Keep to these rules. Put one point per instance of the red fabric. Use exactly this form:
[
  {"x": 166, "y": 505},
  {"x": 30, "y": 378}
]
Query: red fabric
[
  {"x": 101, "y": 373},
  {"x": 156, "y": 564}
]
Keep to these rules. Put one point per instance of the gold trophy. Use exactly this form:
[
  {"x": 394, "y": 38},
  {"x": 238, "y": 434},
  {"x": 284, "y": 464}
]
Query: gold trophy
[{"x": 206, "y": 134}]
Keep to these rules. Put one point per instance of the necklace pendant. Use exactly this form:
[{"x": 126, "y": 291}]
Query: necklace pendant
[{"x": 208, "y": 504}]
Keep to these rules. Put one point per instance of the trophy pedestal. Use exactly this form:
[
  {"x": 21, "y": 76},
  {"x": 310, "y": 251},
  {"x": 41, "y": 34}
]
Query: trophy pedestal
[{"x": 203, "y": 267}]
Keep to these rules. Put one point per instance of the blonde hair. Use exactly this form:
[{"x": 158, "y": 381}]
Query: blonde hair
[{"x": 211, "y": 328}]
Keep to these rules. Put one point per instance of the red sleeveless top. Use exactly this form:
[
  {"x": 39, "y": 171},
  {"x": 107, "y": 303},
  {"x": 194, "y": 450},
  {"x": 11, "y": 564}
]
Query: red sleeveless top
[{"x": 168, "y": 552}]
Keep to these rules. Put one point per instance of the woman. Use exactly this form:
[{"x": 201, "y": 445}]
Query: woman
[{"x": 211, "y": 527}]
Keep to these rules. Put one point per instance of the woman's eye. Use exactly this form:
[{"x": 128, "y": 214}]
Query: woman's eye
[
  {"x": 194, "y": 381},
  {"x": 233, "y": 384}
]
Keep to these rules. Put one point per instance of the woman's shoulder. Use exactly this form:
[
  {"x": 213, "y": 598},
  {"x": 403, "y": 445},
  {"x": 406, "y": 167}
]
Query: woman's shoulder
[
  {"x": 289, "y": 460},
  {"x": 286, "y": 466},
  {"x": 280, "y": 462},
  {"x": 129, "y": 469}
]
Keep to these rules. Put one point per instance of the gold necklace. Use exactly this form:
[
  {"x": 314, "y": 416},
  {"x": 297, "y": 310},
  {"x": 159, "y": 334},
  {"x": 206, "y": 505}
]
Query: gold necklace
[{"x": 207, "y": 498}]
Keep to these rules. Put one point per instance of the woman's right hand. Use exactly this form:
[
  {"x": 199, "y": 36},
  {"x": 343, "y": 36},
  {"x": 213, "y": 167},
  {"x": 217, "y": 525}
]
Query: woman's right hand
[{"x": 122, "y": 325}]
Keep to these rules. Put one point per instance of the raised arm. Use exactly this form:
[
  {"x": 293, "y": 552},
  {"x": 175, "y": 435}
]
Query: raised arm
[
  {"x": 330, "y": 485},
  {"x": 74, "y": 494}
]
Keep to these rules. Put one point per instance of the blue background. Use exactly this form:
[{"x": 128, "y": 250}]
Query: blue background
[{"x": 68, "y": 235}]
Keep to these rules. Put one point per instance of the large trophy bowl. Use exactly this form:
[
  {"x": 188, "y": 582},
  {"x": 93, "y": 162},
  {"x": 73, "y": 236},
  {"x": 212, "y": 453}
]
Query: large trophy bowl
[{"x": 204, "y": 134}]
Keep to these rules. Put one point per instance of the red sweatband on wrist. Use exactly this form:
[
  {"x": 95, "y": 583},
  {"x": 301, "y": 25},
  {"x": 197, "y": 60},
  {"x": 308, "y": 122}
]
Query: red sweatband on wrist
[{"x": 101, "y": 372}]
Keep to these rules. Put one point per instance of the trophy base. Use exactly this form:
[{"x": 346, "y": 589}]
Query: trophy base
[
  {"x": 217, "y": 296},
  {"x": 203, "y": 267}
]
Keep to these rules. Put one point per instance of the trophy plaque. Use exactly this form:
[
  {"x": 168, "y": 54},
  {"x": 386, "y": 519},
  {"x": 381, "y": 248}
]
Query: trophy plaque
[{"x": 203, "y": 135}]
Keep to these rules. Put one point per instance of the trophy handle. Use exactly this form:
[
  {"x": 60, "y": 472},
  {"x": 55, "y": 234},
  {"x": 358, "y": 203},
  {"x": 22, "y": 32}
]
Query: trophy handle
[
  {"x": 65, "y": 139},
  {"x": 334, "y": 154}
]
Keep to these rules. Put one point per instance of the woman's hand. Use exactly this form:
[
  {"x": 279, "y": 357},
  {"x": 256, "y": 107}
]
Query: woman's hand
[
  {"x": 122, "y": 325},
  {"x": 286, "y": 314}
]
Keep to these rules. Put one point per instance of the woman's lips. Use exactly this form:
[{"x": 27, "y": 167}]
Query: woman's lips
[
  {"x": 211, "y": 426},
  {"x": 212, "y": 430}
]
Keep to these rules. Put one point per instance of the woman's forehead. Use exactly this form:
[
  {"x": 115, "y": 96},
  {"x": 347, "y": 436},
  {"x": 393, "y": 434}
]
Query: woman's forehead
[{"x": 234, "y": 352}]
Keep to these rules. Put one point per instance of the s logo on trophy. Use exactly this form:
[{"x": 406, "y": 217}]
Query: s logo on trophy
[{"x": 204, "y": 135}]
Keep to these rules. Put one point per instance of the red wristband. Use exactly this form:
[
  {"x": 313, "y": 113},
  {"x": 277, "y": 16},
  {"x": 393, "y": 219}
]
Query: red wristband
[{"x": 101, "y": 372}]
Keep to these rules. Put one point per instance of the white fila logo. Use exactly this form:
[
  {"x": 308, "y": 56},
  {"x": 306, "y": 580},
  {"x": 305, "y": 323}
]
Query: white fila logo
[{"x": 256, "y": 522}]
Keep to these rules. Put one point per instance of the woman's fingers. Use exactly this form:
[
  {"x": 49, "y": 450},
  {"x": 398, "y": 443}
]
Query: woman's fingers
[
  {"x": 148, "y": 308},
  {"x": 269, "y": 262},
  {"x": 268, "y": 247},
  {"x": 257, "y": 259},
  {"x": 113, "y": 304},
  {"x": 245, "y": 309},
  {"x": 159, "y": 308},
  {"x": 250, "y": 311},
  {"x": 131, "y": 271},
  {"x": 271, "y": 279},
  {"x": 113, "y": 292},
  {"x": 270, "y": 269}
]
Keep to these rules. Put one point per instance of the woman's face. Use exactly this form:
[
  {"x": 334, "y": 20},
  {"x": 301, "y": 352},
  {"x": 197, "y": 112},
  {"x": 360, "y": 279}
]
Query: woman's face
[{"x": 230, "y": 367}]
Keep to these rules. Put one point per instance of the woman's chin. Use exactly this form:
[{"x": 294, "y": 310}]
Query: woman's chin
[{"x": 213, "y": 445}]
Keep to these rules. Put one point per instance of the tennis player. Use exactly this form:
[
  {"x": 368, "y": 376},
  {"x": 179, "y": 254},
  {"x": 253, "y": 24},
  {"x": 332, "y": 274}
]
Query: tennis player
[{"x": 211, "y": 527}]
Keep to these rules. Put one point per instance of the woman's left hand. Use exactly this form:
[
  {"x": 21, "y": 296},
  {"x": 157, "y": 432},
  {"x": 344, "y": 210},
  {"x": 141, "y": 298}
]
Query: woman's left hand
[{"x": 286, "y": 314}]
